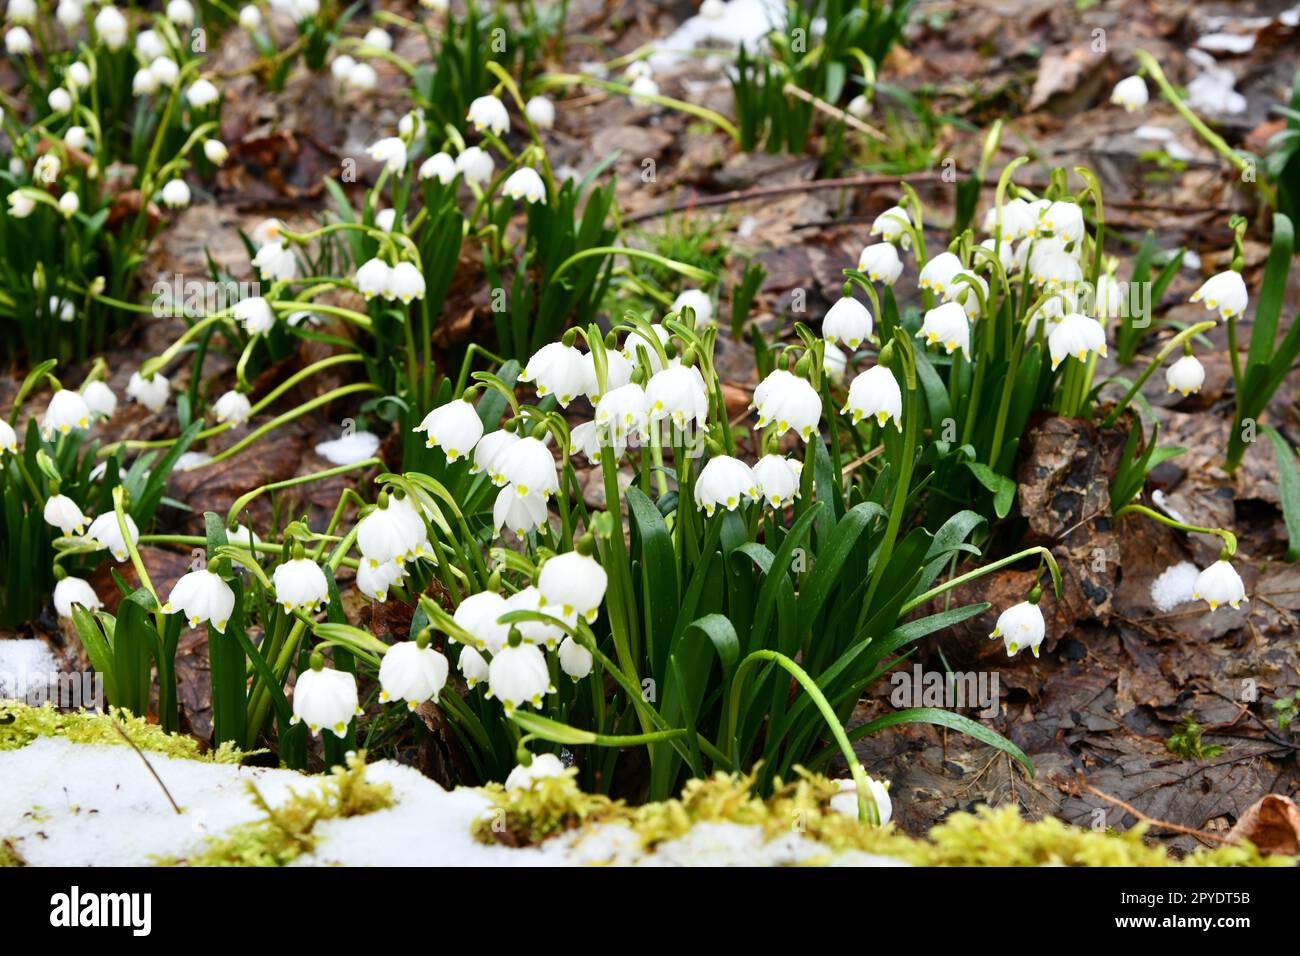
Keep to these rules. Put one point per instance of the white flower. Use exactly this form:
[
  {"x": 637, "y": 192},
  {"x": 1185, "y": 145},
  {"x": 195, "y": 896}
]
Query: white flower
[
  {"x": 538, "y": 632},
  {"x": 144, "y": 83},
  {"x": 699, "y": 302},
  {"x": 375, "y": 582},
  {"x": 585, "y": 439},
  {"x": 375, "y": 278},
  {"x": 525, "y": 184},
  {"x": 540, "y": 112},
  {"x": 786, "y": 401},
  {"x": 232, "y": 408},
  {"x": 639, "y": 342},
  {"x": 575, "y": 660},
  {"x": 341, "y": 67},
  {"x": 518, "y": 675},
  {"x": 529, "y": 466},
  {"x": 406, "y": 282},
  {"x": 21, "y": 205},
  {"x": 99, "y": 399},
  {"x": 778, "y": 477},
  {"x": 574, "y": 581},
  {"x": 677, "y": 393},
  {"x": 846, "y": 801},
  {"x": 1130, "y": 93},
  {"x": 274, "y": 261},
  {"x": 21, "y": 11},
  {"x": 72, "y": 591},
  {"x": 62, "y": 512},
  {"x": 1076, "y": 335},
  {"x": 362, "y": 77},
  {"x": 440, "y": 166},
  {"x": 557, "y": 369},
  {"x": 963, "y": 292},
  {"x": 725, "y": 481},
  {"x": 642, "y": 87},
  {"x": 475, "y": 164},
  {"x": 18, "y": 42},
  {"x": 176, "y": 194},
  {"x": 378, "y": 38},
  {"x": 165, "y": 70},
  {"x": 892, "y": 226},
  {"x": 880, "y": 262},
  {"x": 636, "y": 69},
  {"x": 874, "y": 393},
  {"x": 411, "y": 126},
  {"x": 621, "y": 413},
  {"x": 250, "y": 18},
  {"x": 1052, "y": 267},
  {"x": 1021, "y": 626},
  {"x": 848, "y": 321},
  {"x": 202, "y": 596},
  {"x": 1064, "y": 220},
  {"x": 618, "y": 372},
  {"x": 300, "y": 583},
  {"x": 1018, "y": 220},
  {"x": 472, "y": 665},
  {"x": 542, "y": 767},
  {"x": 266, "y": 231},
  {"x": 389, "y": 532},
  {"x": 202, "y": 93},
  {"x": 78, "y": 75},
  {"x": 1051, "y": 312},
  {"x": 489, "y": 454},
  {"x": 180, "y": 12},
  {"x": 455, "y": 428},
  {"x": 385, "y": 219},
  {"x": 46, "y": 169},
  {"x": 325, "y": 698},
  {"x": 69, "y": 203},
  {"x": 1219, "y": 584},
  {"x": 947, "y": 324},
  {"x": 1187, "y": 375},
  {"x": 67, "y": 410},
  {"x": 350, "y": 448},
  {"x": 302, "y": 10},
  {"x": 391, "y": 151},
  {"x": 216, "y": 152},
  {"x": 104, "y": 531},
  {"x": 254, "y": 314},
  {"x": 412, "y": 673},
  {"x": 834, "y": 362},
  {"x": 68, "y": 14},
  {"x": 1225, "y": 292},
  {"x": 477, "y": 615},
  {"x": 149, "y": 45},
  {"x": 75, "y": 137},
  {"x": 859, "y": 107},
  {"x": 8, "y": 438},
  {"x": 940, "y": 273},
  {"x": 60, "y": 100},
  {"x": 488, "y": 112},
  {"x": 111, "y": 27}
]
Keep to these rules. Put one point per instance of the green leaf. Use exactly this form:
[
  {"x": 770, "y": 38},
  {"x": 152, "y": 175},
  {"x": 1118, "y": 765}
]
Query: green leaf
[
  {"x": 1288, "y": 484},
  {"x": 1003, "y": 488},
  {"x": 940, "y": 718}
]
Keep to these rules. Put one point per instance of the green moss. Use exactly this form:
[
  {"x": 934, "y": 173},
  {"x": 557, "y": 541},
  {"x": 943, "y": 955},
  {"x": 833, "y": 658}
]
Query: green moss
[
  {"x": 988, "y": 837},
  {"x": 286, "y": 832},
  {"x": 9, "y": 856},
  {"x": 20, "y": 724}
]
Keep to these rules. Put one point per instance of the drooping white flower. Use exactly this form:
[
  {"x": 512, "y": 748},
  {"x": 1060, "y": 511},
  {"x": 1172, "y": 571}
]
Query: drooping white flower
[
  {"x": 250, "y": 18},
  {"x": 325, "y": 699},
  {"x": 69, "y": 14},
  {"x": 1021, "y": 626},
  {"x": 60, "y": 100},
  {"x": 1064, "y": 220},
  {"x": 202, "y": 596},
  {"x": 1076, "y": 335},
  {"x": 1108, "y": 299},
  {"x": 881, "y": 263},
  {"x": 557, "y": 369},
  {"x": 638, "y": 347},
  {"x": 76, "y": 137},
  {"x": 477, "y": 615},
  {"x": 1130, "y": 93},
  {"x": 300, "y": 583},
  {"x": 525, "y": 184},
  {"x": 575, "y": 583},
  {"x": 834, "y": 362},
  {"x": 848, "y": 321},
  {"x": 475, "y": 164},
  {"x": 530, "y": 467},
  {"x": 69, "y": 203},
  {"x": 874, "y": 393},
  {"x": 67, "y": 410},
  {"x": 1052, "y": 266},
  {"x": 99, "y": 399},
  {"x": 439, "y": 166},
  {"x": 388, "y": 533},
  {"x": 454, "y": 427},
  {"x": 8, "y": 438},
  {"x": 375, "y": 278},
  {"x": 575, "y": 660},
  {"x": 1225, "y": 292},
  {"x": 585, "y": 439},
  {"x": 406, "y": 282},
  {"x": 642, "y": 87},
  {"x": 62, "y": 512},
  {"x": 111, "y": 27},
  {"x": 202, "y": 93},
  {"x": 1219, "y": 584},
  {"x": 254, "y": 314},
  {"x": 266, "y": 231},
  {"x": 846, "y": 801},
  {"x": 489, "y": 113},
  {"x": 21, "y": 205},
  {"x": 621, "y": 413},
  {"x": 144, "y": 82},
  {"x": 1187, "y": 375},
  {"x": 618, "y": 372},
  {"x": 70, "y": 591},
  {"x": 699, "y": 302},
  {"x": 21, "y": 11},
  {"x": 892, "y": 225},
  {"x": 778, "y": 478},
  {"x": 859, "y": 107},
  {"x": 677, "y": 393},
  {"x": 274, "y": 261},
  {"x": 412, "y": 673},
  {"x": 176, "y": 194},
  {"x": 488, "y": 454},
  {"x": 149, "y": 45},
  {"x": 518, "y": 675},
  {"x": 542, "y": 767},
  {"x": 537, "y": 631},
  {"x": 180, "y": 12},
  {"x": 18, "y": 42},
  {"x": 785, "y": 401},
  {"x": 375, "y": 582},
  {"x": 940, "y": 273},
  {"x": 78, "y": 76},
  {"x": 104, "y": 531},
  {"x": 540, "y": 112},
  {"x": 726, "y": 482},
  {"x": 1018, "y": 221},
  {"x": 378, "y": 38},
  {"x": 472, "y": 666},
  {"x": 412, "y": 127},
  {"x": 165, "y": 70},
  {"x": 362, "y": 77},
  {"x": 948, "y": 325},
  {"x": 391, "y": 151}
]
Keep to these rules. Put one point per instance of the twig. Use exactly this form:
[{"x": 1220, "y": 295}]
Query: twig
[
  {"x": 140, "y": 753},
  {"x": 1083, "y": 785},
  {"x": 836, "y": 112}
]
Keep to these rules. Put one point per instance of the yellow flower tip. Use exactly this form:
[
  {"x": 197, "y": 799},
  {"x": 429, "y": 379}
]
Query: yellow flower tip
[
  {"x": 995, "y": 632},
  {"x": 384, "y": 697},
  {"x": 167, "y": 608},
  {"x": 521, "y": 490}
]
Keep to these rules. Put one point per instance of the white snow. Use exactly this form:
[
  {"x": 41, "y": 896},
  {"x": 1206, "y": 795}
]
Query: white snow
[
  {"x": 742, "y": 21},
  {"x": 24, "y": 663},
  {"x": 1213, "y": 91},
  {"x": 66, "y": 804},
  {"x": 1174, "y": 586}
]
